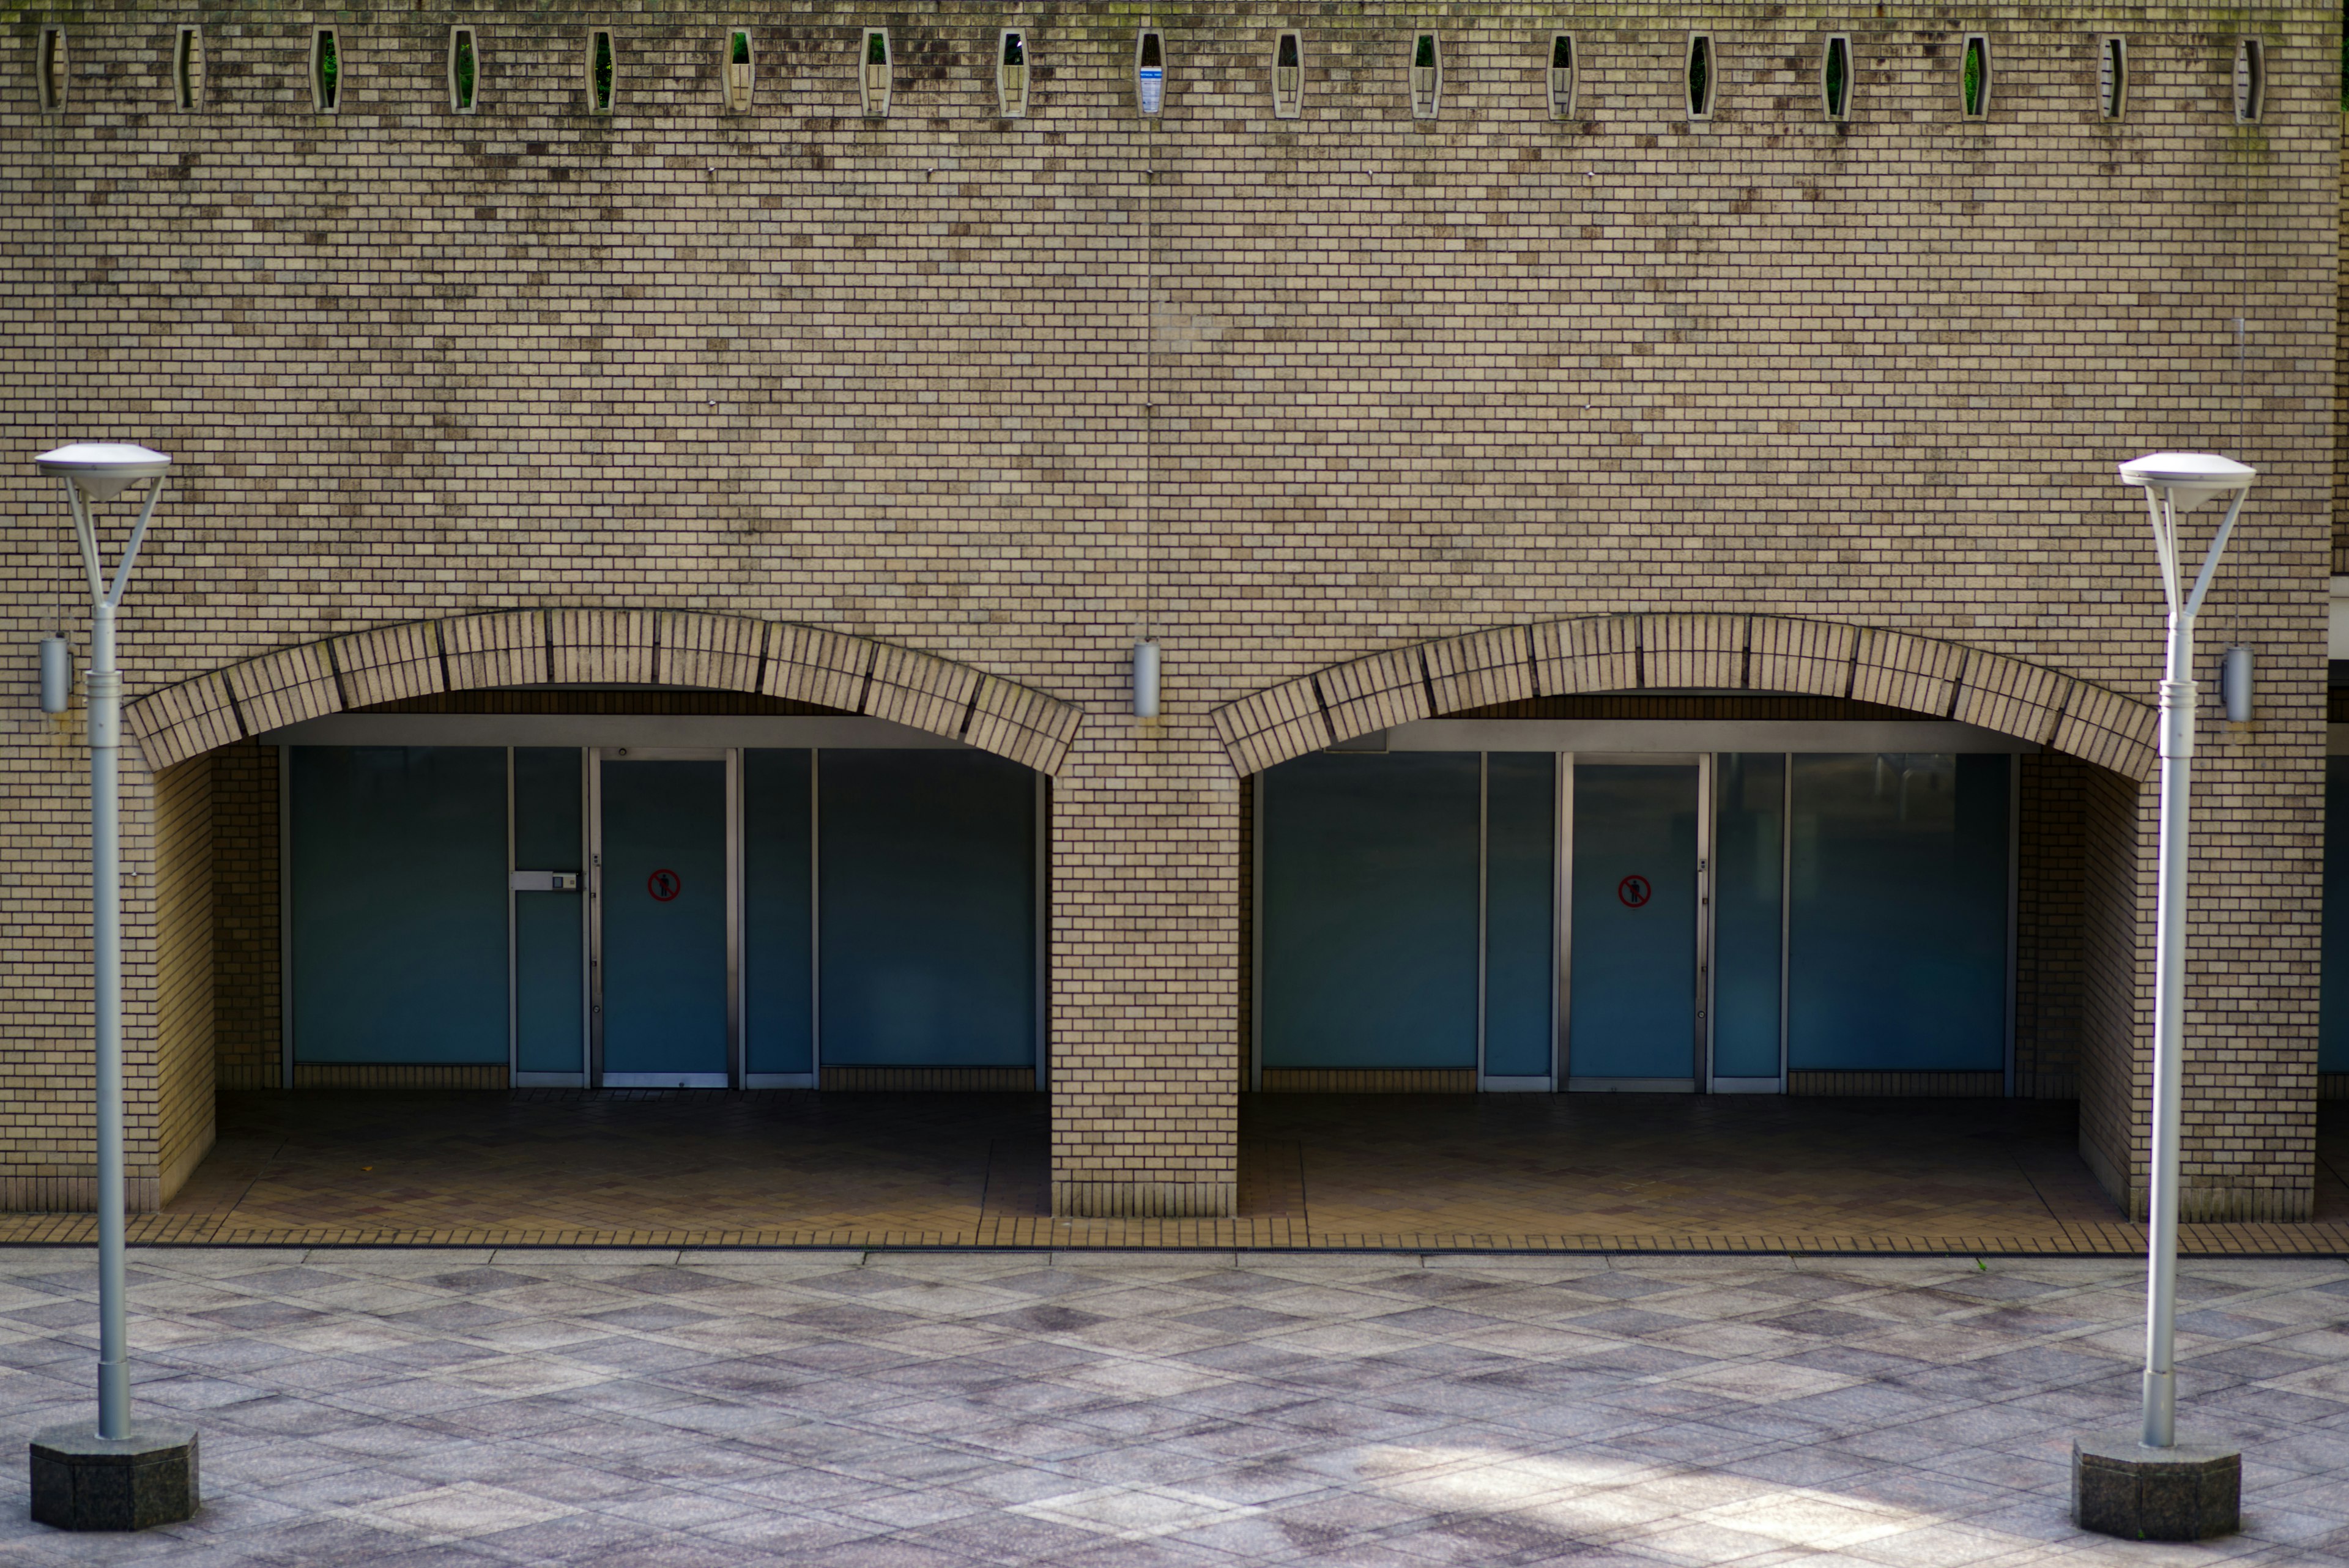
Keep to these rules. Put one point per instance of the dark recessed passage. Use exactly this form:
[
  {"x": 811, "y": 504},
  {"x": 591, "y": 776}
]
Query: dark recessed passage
[
  {"x": 1699, "y": 76},
  {"x": 2251, "y": 80},
  {"x": 2112, "y": 76},
  {"x": 1561, "y": 76}
]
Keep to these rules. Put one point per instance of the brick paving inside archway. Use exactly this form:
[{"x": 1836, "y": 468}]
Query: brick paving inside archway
[{"x": 1633, "y": 1173}]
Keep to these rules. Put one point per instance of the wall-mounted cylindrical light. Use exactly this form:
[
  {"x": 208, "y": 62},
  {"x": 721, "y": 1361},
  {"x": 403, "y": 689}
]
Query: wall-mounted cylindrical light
[
  {"x": 56, "y": 675},
  {"x": 2235, "y": 685},
  {"x": 1145, "y": 679}
]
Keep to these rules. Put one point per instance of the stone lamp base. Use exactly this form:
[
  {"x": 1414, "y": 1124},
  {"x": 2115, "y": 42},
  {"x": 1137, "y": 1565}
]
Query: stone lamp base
[
  {"x": 83, "y": 1481},
  {"x": 2191, "y": 1492}
]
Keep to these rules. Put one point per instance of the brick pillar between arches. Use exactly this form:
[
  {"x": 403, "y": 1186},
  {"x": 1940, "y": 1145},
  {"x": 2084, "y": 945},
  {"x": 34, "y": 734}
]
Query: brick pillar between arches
[{"x": 1145, "y": 973}]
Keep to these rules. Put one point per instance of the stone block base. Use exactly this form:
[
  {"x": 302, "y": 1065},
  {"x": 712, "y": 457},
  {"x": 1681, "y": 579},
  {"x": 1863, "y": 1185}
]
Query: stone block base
[
  {"x": 2191, "y": 1492},
  {"x": 83, "y": 1481}
]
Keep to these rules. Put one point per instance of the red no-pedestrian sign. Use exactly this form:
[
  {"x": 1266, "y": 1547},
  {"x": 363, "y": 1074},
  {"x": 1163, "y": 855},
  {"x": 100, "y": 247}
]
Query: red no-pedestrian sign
[
  {"x": 664, "y": 885},
  {"x": 1634, "y": 891}
]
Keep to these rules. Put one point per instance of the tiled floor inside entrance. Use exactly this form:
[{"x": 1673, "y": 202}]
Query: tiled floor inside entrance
[{"x": 1416, "y": 1173}]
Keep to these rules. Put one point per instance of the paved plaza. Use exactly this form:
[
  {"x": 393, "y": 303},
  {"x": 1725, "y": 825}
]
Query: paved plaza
[{"x": 667, "y": 1408}]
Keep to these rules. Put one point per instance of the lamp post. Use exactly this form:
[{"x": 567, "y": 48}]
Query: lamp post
[
  {"x": 118, "y": 1477},
  {"x": 2148, "y": 1485}
]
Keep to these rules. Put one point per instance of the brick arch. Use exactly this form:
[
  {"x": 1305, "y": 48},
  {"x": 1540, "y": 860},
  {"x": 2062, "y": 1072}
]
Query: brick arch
[
  {"x": 1714, "y": 653},
  {"x": 664, "y": 648}
]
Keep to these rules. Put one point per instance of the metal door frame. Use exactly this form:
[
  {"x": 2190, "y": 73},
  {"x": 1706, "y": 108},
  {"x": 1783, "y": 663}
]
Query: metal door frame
[
  {"x": 1544, "y": 1082},
  {"x": 1701, "y": 999},
  {"x": 575, "y": 1077},
  {"x": 1714, "y": 1084},
  {"x": 731, "y": 756}
]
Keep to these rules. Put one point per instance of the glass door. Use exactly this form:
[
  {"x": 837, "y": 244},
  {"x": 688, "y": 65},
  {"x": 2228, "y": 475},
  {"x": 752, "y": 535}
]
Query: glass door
[
  {"x": 1636, "y": 969},
  {"x": 663, "y": 971}
]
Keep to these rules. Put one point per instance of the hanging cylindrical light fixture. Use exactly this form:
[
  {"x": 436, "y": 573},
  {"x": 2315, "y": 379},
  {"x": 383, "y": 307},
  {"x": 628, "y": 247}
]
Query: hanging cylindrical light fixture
[
  {"x": 2235, "y": 685},
  {"x": 1145, "y": 679}
]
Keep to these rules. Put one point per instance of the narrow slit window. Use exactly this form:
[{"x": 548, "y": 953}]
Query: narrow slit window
[
  {"x": 1011, "y": 74},
  {"x": 1426, "y": 78},
  {"x": 1150, "y": 70},
  {"x": 1973, "y": 77},
  {"x": 874, "y": 77},
  {"x": 1561, "y": 76},
  {"x": 737, "y": 71},
  {"x": 187, "y": 68},
  {"x": 1834, "y": 78},
  {"x": 1289, "y": 76},
  {"x": 326, "y": 71},
  {"x": 49, "y": 68},
  {"x": 464, "y": 70},
  {"x": 1699, "y": 76},
  {"x": 603, "y": 72},
  {"x": 2112, "y": 76},
  {"x": 2251, "y": 80}
]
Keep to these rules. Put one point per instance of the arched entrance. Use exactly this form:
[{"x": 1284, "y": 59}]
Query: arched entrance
[
  {"x": 598, "y": 847},
  {"x": 1723, "y": 853}
]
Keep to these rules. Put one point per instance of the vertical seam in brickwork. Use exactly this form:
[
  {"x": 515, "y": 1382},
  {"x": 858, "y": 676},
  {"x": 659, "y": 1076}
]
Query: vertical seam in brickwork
[
  {"x": 1328, "y": 725},
  {"x": 228, "y": 695},
  {"x": 864, "y": 692},
  {"x": 1746, "y": 653},
  {"x": 766, "y": 637},
  {"x": 335, "y": 668},
  {"x": 970, "y": 711},
  {"x": 546, "y": 630},
  {"x": 1851, "y": 668},
  {"x": 1958, "y": 681},
  {"x": 440, "y": 648},
  {"x": 1533, "y": 662},
  {"x": 657, "y": 671},
  {"x": 1640, "y": 653},
  {"x": 1427, "y": 681}
]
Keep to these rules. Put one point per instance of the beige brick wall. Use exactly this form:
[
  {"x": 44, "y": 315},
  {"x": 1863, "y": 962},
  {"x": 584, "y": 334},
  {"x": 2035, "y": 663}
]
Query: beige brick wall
[
  {"x": 1290, "y": 394},
  {"x": 183, "y": 971},
  {"x": 2050, "y": 952},
  {"x": 248, "y": 1044}
]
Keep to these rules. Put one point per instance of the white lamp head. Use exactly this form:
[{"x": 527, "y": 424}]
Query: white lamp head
[
  {"x": 102, "y": 470},
  {"x": 2191, "y": 478}
]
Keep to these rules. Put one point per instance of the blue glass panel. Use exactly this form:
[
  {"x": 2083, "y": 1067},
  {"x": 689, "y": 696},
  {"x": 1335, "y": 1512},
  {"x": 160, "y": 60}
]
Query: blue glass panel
[
  {"x": 1369, "y": 910},
  {"x": 927, "y": 881},
  {"x": 1520, "y": 910},
  {"x": 1896, "y": 955},
  {"x": 778, "y": 961},
  {"x": 400, "y": 907},
  {"x": 2333, "y": 1004},
  {"x": 1748, "y": 872},
  {"x": 1632, "y": 987},
  {"x": 550, "y": 929},
  {"x": 664, "y": 913}
]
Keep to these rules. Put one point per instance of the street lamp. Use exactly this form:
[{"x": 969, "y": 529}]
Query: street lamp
[
  {"x": 118, "y": 1477},
  {"x": 2148, "y": 1485}
]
